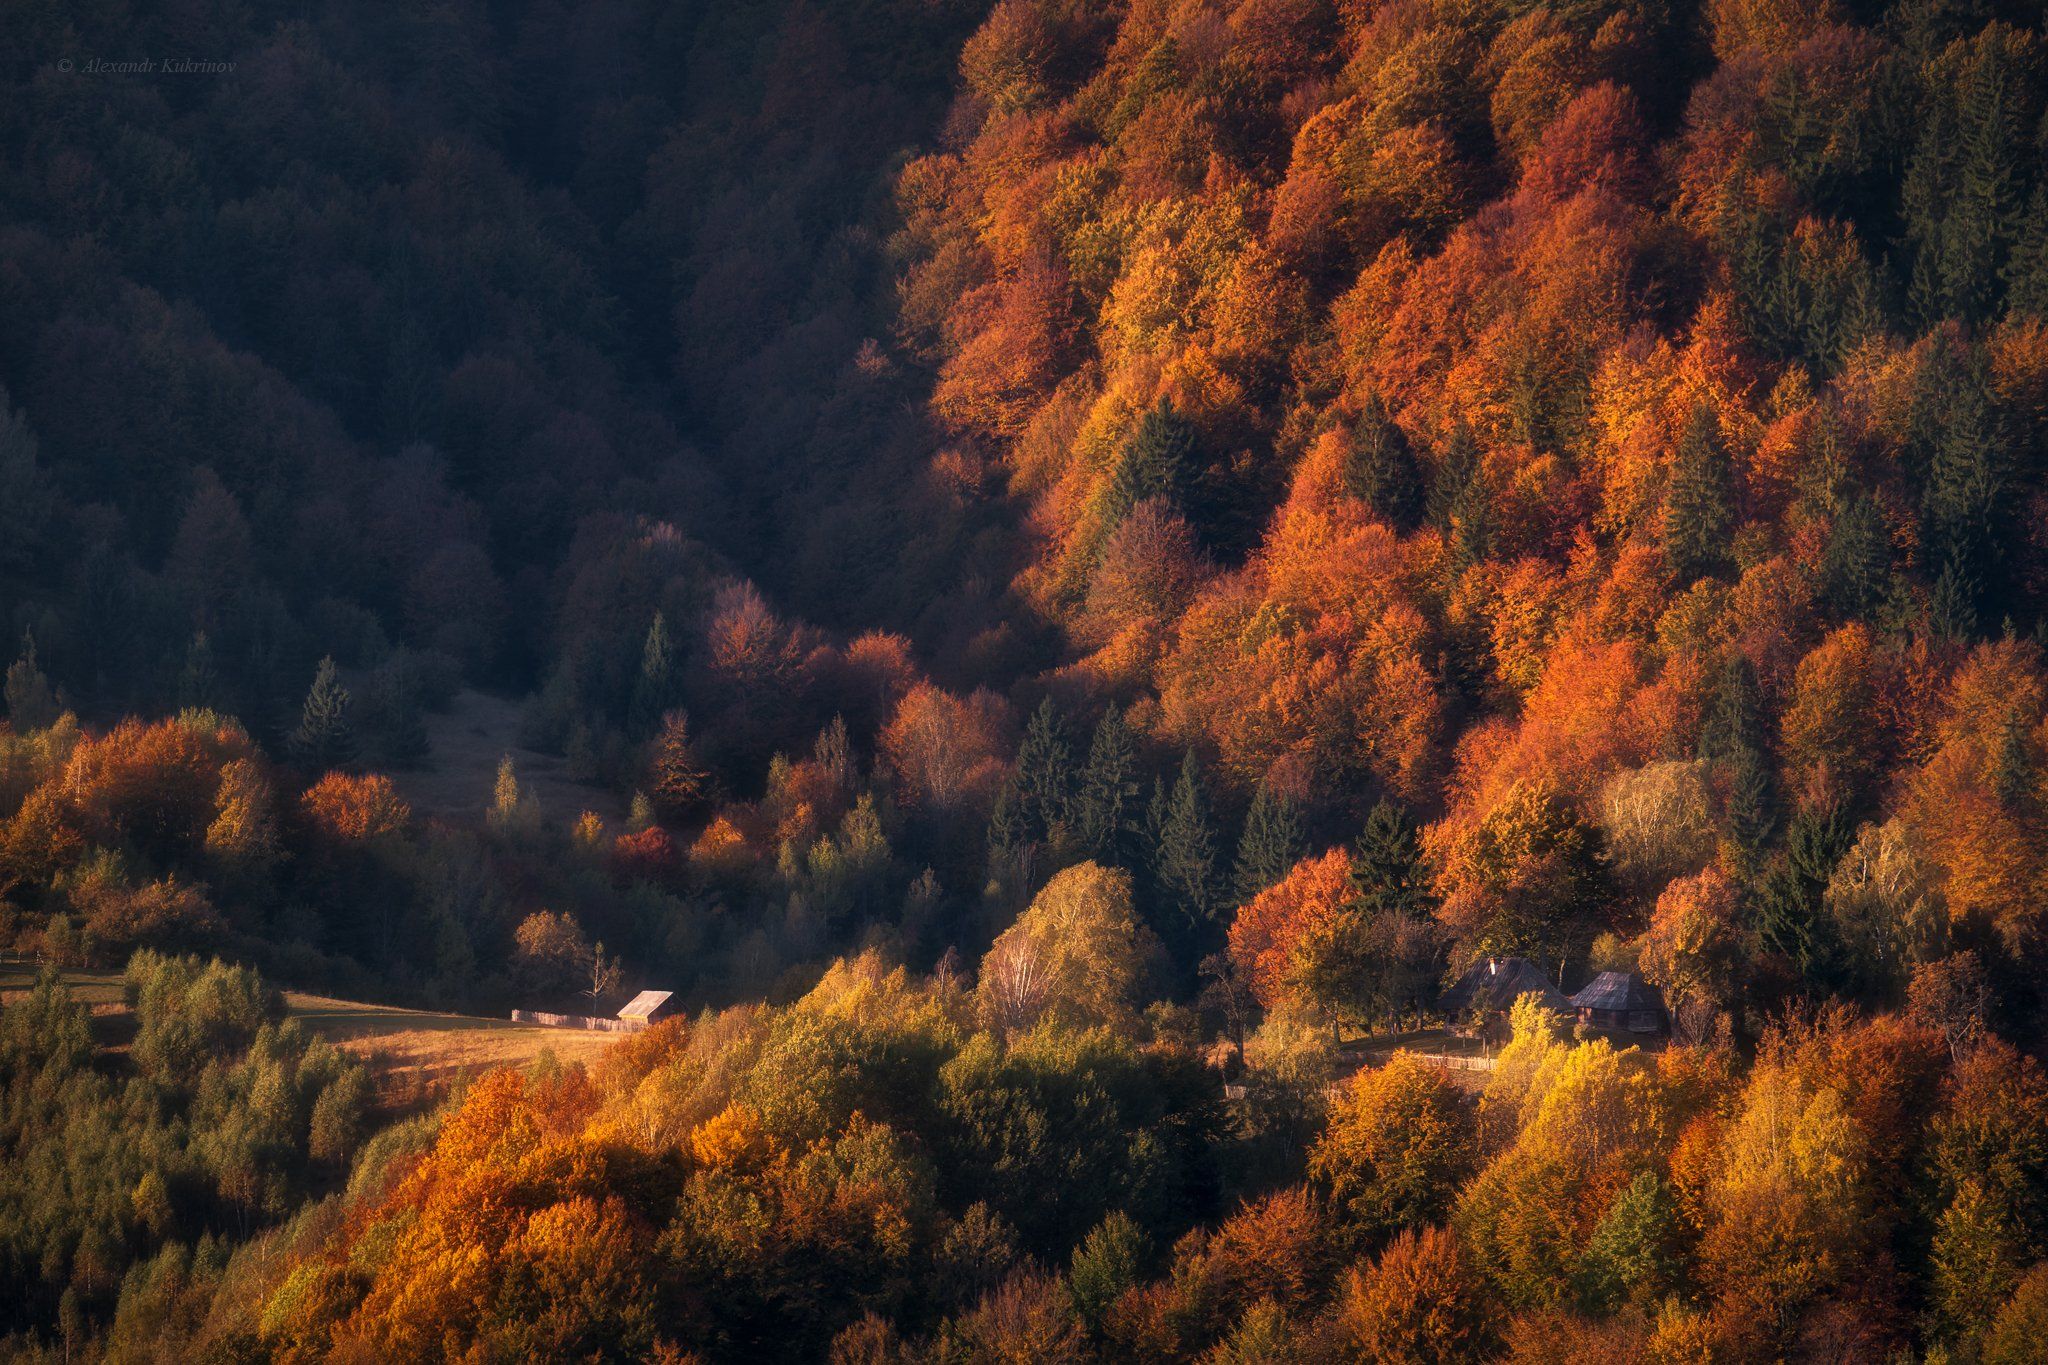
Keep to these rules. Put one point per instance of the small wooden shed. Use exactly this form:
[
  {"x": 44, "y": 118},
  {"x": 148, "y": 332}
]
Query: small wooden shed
[
  {"x": 648, "y": 1007},
  {"x": 1620, "y": 1000}
]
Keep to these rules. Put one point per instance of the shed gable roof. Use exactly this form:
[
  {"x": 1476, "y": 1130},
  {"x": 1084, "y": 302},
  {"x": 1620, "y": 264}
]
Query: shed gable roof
[{"x": 643, "y": 1005}]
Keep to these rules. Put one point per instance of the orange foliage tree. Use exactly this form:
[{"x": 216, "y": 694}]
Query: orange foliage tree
[
  {"x": 946, "y": 752},
  {"x": 1418, "y": 1301},
  {"x": 352, "y": 808},
  {"x": 1269, "y": 931}
]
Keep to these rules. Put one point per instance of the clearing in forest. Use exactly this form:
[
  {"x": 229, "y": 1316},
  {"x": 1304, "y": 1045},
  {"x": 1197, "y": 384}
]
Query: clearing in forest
[{"x": 414, "y": 1054}]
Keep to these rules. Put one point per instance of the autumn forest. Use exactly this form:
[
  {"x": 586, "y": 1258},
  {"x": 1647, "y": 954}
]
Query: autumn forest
[{"x": 1270, "y": 680}]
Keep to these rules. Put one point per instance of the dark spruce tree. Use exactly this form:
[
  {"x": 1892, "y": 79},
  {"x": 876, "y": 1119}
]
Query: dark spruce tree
[
  {"x": 1698, "y": 505},
  {"x": 2026, "y": 274},
  {"x": 1380, "y": 470},
  {"x": 199, "y": 678},
  {"x": 1968, "y": 468},
  {"x": 1768, "y": 289},
  {"x": 31, "y": 702},
  {"x": 2013, "y": 771},
  {"x": 1787, "y": 904},
  {"x": 1387, "y": 872},
  {"x": 1459, "y": 503},
  {"x": 401, "y": 732},
  {"x": 1270, "y": 846},
  {"x": 1752, "y": 809},
  {"x": 1106, "y": 800},
  {"x": 1856, "y": 563},
  {"x": 1735, "y": 720},
  {"x": 1966, "y": 183},
  {"x": 654, "y": 689},
  {"x": 1952, "y": 604},
  {"x": 1733, "y": 738},
  {"x": 1008, "y": 833},
  {"x": 1159, "y": 461},
  {"x": 1455, "y": 470},
  {"x": 1184, "y": 852},
  {"x": 1792, "y": 309},
  {"x": 323, "y": 739},
  {"x": 1045, "y": 777}
]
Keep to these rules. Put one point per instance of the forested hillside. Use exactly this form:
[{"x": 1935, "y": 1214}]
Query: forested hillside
[{"x": 1084, "y": 554}]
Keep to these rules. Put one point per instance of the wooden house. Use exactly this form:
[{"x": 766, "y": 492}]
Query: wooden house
[
  {"x": 1620, "y": 1001},
  {"x": 1485, "y": 994}
]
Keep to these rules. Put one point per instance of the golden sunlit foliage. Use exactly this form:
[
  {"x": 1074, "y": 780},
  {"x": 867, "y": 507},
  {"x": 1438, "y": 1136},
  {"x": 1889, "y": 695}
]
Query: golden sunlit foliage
[{"x": 1077, "y": 954}]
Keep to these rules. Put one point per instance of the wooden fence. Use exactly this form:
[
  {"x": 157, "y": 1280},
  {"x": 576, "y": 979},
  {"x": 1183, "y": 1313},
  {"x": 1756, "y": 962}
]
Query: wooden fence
[
  {"x": 582, "y": 1021},
  {"x": 1442, "y": 1061}
]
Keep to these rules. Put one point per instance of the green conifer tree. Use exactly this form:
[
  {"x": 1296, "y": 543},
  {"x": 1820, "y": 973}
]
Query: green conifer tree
[
  {"x": 1106, "y": 804},
  {"x": 401, "y": 728},
  {"x": 323, "y": 739},
  {"x": 1159, "y": 461},
  {"x": 199, "y": 679},
  {"x": 1952, "y": 605},
  {"x": 1827, "y": 482},
  {"x": 2026, "y": 273},
  {"x": 31, "y": 703},
  {"x": 1633, "y": 1253},
  {"x": 1966, "y": 499},
  {"x": 1735, "y": 721},
  {"x": 1963, "y": 193},
  {"x": 1459, "y": 504},
  {"x": 1380, "y": 470},
  {"x": 1045, "y": 776},
  {"x": 1733, "y": 738},
  {"x": 1387, "y": 871},
  {"x": 1270, "y": 846},
  {"x": 1698, "y": 505},
  {"x": 1184, "y": 849},
  {"x": 1008, "y": 832},
  {"x": 2012, "y": 769},
  {"x": 1787, "y": 904},
  {"x": 654, "y": 689},
  {"x": 1855, "y": 565},
  {"x": 1752, "y": 809}
]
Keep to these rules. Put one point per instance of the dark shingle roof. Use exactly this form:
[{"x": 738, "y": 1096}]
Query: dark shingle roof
[
  {"x": 1617, "y": 991},
  {"x": 1496, "y": 983}
]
